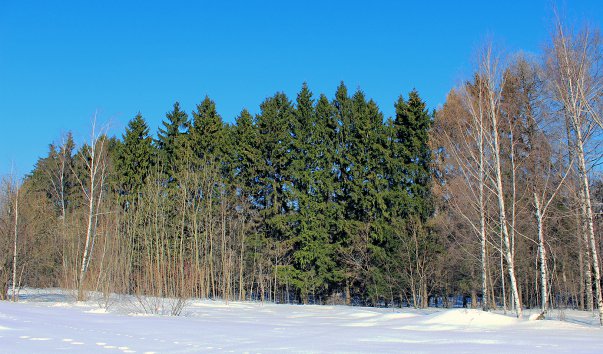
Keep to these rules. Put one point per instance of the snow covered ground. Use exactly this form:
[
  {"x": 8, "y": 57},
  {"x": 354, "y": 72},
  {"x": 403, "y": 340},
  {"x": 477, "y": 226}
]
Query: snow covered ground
[{"x": 50, "y": 321}]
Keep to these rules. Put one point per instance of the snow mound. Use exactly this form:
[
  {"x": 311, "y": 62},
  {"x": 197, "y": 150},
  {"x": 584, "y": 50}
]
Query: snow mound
[
  {"x": 396, "y": 316},
  {"x": 99, "y": 310},
  {"x": 470, "y": 318}
]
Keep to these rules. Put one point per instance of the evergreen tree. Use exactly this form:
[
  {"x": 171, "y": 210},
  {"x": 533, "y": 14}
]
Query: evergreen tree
[
  {"x": 411, "y": 155},
  {"x": 135, "y": 157},
  {"x": 274, "y": 126},
  {"x": 275, "y": 185},
  {"x": 246, "y": 154},
  {"x": 409, "y": 197},
  {"x": 207, "y": 134},
  {"x": 170, "y": 138},
  {"x": 53, "y": 175},
  {"x": 313, "y": 265}
]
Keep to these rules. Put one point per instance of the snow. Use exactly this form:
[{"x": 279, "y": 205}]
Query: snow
[{"x": 50, "y": 321}]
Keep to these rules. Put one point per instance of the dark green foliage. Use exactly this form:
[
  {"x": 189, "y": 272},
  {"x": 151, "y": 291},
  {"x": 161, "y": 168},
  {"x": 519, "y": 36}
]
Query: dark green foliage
[
  {"x": 313, "y": 266},
  {"x": 54, "y": 175},
  {"x": 170, "y": 138},
  {"x": 411, "y": 155},
  {"x": 207, "y": 134},
  {"x": 327, "y": 198},
  {"x": 135, "y": 156},
  {"x": 245, "y": 153}
]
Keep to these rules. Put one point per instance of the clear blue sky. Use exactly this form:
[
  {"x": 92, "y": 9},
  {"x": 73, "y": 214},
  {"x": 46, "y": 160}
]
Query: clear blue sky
[{"x": 60, "y": 61}]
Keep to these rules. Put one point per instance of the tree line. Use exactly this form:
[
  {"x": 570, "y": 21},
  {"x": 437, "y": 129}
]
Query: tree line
[{"x": 494, "y": 197}]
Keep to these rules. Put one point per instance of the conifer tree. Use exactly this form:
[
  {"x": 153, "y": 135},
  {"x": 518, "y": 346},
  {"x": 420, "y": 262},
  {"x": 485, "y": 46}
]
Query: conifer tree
[
  {"x": 274, "y": 126},
  {"x": 411, "y": 153},
  {"x": 275, "y": 201},
  {"x": 135, "y": 157},
  {"x": 207, "y": 133},
  {"x": 170, "y": 137},
  {"x": 409, "y": 195},
  {"x": 313, "y": 265},
  {"x": 246, "y": 153}
]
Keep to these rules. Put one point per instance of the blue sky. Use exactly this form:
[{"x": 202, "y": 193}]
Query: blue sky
[{"x": 62, "y": 61}]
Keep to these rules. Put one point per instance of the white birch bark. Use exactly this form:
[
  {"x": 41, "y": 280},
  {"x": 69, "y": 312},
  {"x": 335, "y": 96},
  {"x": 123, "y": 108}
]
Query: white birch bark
[
  {"x": 493, "y": 96},
  {"x": 95, "y": 167},
  {"x": 14, "y": 297},
  {"x": 574, "y": 63}
]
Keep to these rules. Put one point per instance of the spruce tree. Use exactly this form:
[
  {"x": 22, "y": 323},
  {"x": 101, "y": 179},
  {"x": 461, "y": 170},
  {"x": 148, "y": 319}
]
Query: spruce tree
[
  {"x": 246, "y": 154},
  {"x": 274, "y": 126},
  {"x": 312, "y": 269},
  {"x": 135, "y": 157},
  {"x": 170, "y": 138},
  {"x": 207, "y": 134},
  {"x": 411, "y": 157}
]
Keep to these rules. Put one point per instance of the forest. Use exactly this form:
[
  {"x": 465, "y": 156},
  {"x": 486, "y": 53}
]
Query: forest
[{"x": 494, "y": 197}]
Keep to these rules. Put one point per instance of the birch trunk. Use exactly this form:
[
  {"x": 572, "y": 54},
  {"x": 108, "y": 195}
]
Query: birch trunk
[
  {"x": 15, "y": 242},
  {"x": 89, "y": 229},
  {"x": 588, "y": 211},
  {"x": 482, "y": 215},
  {"x": 508, "y": 251},
  {"x": 95, "y": 167},
  {"x": 542, "y": 255}
]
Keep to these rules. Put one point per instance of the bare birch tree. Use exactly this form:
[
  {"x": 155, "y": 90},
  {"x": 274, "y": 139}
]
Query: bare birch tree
[
  {"x": 94, "y": 159},
  {"x": 491, "y": 72},
  {"x": 574, "y": 67},
  {"x": 16, "y": 235}
]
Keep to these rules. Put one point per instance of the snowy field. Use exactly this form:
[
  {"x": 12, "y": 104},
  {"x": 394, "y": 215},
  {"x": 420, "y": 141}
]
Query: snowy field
[{"x": 50, "y": 321}]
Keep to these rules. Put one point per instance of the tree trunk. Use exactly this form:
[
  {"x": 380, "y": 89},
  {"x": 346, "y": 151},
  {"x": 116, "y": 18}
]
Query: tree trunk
[
  {"x": 482, "y": 216},
  {"x": 542, "y": 255},
  {"x": 15, "y": 242},
  {"x": 587, "y": 207},
  {"x": 508, "y": 252}
]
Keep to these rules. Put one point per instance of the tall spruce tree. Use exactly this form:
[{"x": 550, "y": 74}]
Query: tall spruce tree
[
  {"x": 411, "y": 156},
  {"x": 409, "y": 198},
  {"x": 135, "y": 158},
  {"x": 274, "y": 126},
  {"x": 207, "y": 134},
  {"x": 275, "y": 200},
  {"x": 312, "y": 268},
  {"x": 246, "y": 154},
  {"x": 170, "y": 138}
]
